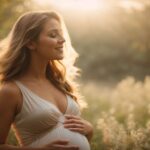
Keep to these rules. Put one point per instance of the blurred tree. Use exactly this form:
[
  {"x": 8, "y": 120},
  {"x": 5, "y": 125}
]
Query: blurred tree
[
  {"x": 9, "y": 12},
  {"x": 113, "y": 46}
]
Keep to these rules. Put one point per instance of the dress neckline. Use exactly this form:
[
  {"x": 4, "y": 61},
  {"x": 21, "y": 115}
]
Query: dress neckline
[{"x": 46, "y": 100}]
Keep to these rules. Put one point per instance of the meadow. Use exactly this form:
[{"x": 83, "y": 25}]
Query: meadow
[{"x": 120, "y": 115}]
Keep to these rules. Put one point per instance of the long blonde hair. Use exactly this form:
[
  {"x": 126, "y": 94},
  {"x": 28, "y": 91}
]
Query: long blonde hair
[{"x": 15, "y": 56}]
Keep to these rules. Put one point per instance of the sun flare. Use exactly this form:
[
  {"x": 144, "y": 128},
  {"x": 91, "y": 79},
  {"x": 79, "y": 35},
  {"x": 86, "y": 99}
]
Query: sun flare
[
  {"x": 131, "y": 4},
  {"x": 74, "y": 5},
  {"x": 88, "y": 6}
]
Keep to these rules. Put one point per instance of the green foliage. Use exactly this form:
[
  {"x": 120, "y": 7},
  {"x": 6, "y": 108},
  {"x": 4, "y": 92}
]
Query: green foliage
[
  {"x": 12, "y": 138},
  {"x": 9, "y": 12},
  {"x": 113, "y": 44}
]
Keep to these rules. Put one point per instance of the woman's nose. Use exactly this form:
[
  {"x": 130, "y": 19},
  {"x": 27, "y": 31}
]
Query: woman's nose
[{"x": 61, "y": 40}]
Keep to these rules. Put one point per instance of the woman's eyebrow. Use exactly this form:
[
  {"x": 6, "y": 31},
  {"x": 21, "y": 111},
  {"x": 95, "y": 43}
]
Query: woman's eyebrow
[{"x": 58, "y": 30}]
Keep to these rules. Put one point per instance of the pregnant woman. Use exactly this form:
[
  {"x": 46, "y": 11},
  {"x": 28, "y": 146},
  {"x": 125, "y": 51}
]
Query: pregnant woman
[{"x": 38, "y": 95}]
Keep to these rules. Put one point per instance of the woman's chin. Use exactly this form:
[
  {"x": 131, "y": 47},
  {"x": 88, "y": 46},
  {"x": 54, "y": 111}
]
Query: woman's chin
[{"x": 60, "y": 57}]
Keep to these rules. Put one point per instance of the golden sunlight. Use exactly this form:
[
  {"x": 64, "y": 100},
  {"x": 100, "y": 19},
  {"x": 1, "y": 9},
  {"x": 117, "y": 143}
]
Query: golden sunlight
[
  {"x": 89, "y": 6},
  {"x": 82, "y": 5},
  {"x": 75, "y": 5},
  {"x": 130, "y": 4}
]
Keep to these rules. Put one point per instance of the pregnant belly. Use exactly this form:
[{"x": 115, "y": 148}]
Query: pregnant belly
[{"x": 61, "y": 133}]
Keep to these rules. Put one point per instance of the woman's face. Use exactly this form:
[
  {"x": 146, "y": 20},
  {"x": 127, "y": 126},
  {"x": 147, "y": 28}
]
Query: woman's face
[{"x": 50, "y": 42}]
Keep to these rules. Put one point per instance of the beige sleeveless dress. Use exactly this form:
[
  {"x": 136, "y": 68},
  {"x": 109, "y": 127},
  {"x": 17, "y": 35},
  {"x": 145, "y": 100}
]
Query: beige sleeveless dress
[{"x": 41, "y": 122}]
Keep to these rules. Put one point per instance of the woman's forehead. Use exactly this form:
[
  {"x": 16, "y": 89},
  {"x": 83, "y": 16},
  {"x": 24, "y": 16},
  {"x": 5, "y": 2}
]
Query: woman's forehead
[{"x": 52, "y": 24}]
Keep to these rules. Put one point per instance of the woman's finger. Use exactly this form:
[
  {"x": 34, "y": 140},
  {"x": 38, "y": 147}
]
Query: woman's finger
[
  {"x": 59, "y": 142},
  {"x": 73, "y": 116},
  {"x": 78, "y": 130},
  {"x": 73, "y": 126},
  {"x": 67, "y": 147},
  {"x": 73, "y": 121}
]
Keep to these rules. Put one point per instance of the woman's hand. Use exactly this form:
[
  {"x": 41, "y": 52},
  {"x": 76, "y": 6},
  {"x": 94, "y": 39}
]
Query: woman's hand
[
  {"x": 61, "y": 145},
  {"x": 77, "y": 124}
]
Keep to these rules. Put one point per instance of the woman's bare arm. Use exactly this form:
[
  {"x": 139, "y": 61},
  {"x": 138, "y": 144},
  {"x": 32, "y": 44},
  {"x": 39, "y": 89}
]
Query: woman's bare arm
[
  {"x": 8, "y": 109},
  {"x": 10, "y": 97},
  {"x": 10, "y": 147}
]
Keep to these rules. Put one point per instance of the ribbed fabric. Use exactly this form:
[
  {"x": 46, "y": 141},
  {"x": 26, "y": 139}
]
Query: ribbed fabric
[{"x": 41, "y": 122}]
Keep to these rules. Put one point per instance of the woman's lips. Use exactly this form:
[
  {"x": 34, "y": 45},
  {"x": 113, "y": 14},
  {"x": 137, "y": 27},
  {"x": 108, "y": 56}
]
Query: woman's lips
[{"x": 59, "y": 48}]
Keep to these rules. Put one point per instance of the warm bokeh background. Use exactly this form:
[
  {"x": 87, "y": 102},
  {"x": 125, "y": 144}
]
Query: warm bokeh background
[{"x": 112, "y": 38}]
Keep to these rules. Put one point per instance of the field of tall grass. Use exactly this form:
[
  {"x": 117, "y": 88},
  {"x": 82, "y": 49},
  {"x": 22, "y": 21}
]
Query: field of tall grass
[{"x": 119, "y": 113}]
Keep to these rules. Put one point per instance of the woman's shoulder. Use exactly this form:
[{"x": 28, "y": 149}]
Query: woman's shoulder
[
  {"x": 10, "y": 94},
  {"x": 9, "y": 89}
]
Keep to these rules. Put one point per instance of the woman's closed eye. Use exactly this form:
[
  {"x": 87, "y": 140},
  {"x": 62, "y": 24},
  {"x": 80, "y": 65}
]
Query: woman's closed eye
[{"x": 55, "y": 34}]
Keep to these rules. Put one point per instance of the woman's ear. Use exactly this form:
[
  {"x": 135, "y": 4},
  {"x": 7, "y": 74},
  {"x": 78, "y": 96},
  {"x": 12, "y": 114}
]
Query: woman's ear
[{"x": 31, "y": 45}]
